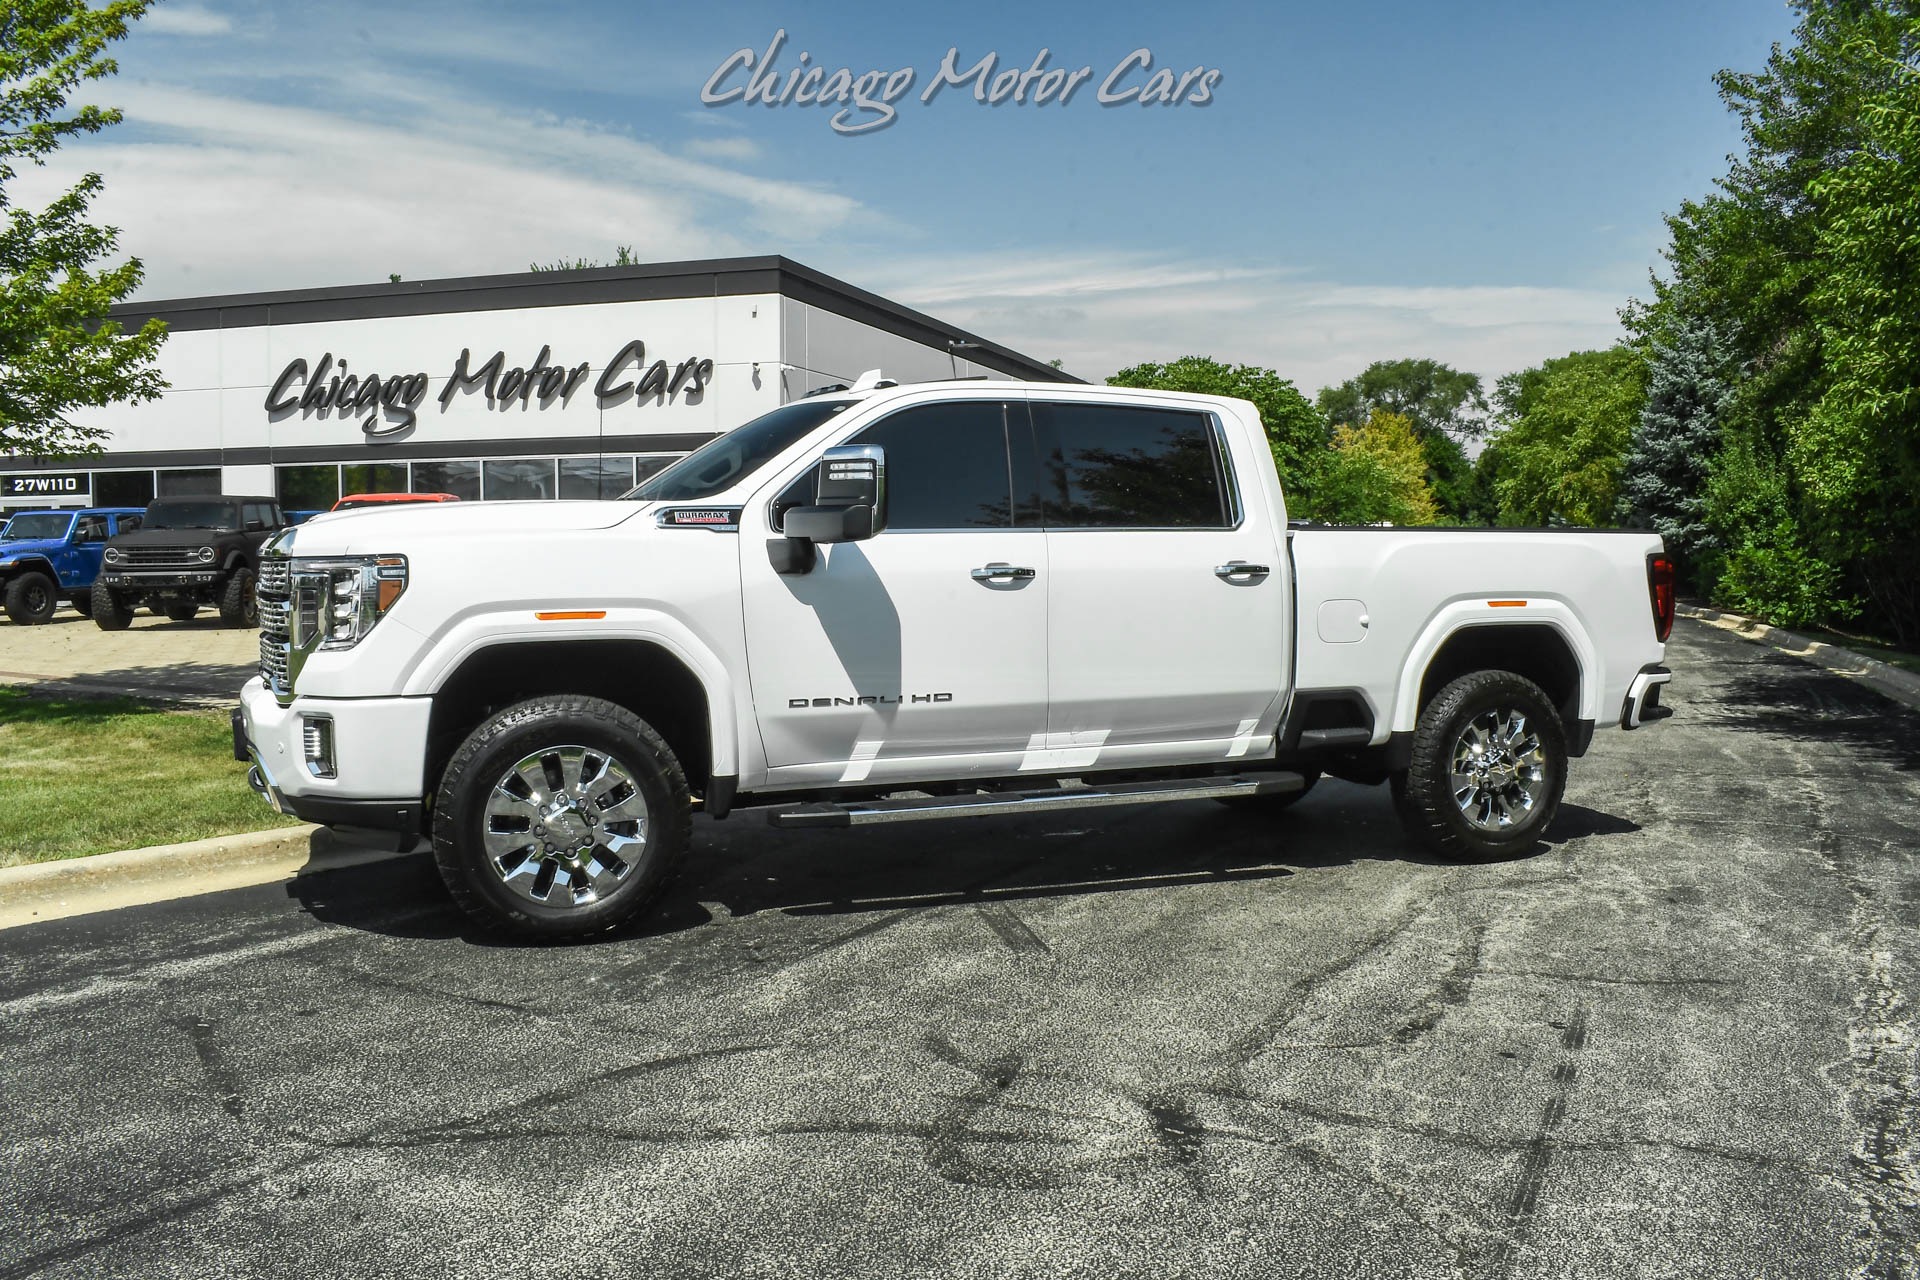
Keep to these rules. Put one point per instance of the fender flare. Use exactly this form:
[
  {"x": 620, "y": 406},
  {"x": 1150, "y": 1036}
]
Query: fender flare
[
  {"x": 1462, "y": 615},
  {"x": 477, "y": 632}
]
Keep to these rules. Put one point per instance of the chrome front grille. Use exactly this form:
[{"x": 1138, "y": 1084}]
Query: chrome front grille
[{"x": 272, "y": 591}]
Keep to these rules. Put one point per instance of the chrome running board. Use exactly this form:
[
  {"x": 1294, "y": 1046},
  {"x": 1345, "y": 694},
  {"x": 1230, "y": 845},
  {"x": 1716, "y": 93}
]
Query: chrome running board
[{"x": 923, "y": 808}]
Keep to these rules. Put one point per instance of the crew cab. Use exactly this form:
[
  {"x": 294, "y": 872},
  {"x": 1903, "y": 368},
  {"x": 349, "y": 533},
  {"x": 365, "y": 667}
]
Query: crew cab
[
  {"x": 188, "y": 553},
  {"x": 45, "y": 555},
  {"x": 894, "y": 603}
]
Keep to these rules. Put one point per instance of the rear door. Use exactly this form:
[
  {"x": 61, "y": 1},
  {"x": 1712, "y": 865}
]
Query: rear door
[
  {"x": 1168, "y": 612},
  {"x": 920, "y": 652}
]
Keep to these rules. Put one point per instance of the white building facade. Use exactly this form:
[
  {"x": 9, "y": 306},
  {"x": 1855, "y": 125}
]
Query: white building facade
[{"x": 544, "y": 385}]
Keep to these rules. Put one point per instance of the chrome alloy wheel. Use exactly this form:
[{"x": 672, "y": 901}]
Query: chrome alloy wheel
[
  {"x": 1499, "y": 772},
  {"x": 565, "y": 826}
]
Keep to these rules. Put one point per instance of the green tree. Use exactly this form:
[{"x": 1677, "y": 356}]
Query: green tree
[
  {"x": 1295, "y": 430},
  {"x": 1374, "y": 474},
  {"x": 58, "y": 352},
  {"x": 1443, "y": 405},
  {"x": 1663, "y": 483},
  {"x": 1566, "y": 425}
]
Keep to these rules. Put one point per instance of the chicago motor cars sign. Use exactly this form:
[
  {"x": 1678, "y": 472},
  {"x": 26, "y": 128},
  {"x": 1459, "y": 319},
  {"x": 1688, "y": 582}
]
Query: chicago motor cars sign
[{"x": 391, "y": 402}]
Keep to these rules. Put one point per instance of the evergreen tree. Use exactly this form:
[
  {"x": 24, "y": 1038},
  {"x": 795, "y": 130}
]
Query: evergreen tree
[{"x": 1663, "y": 485}]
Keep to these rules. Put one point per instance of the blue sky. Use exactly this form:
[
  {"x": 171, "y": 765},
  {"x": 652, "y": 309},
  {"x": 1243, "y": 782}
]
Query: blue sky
[{"x": 1480, "y": 183}]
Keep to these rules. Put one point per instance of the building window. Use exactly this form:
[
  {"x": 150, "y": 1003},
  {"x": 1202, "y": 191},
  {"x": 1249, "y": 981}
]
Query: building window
[
  {"x": 307, "y": 488},
  {"x": 520, "y": 480},
  {"x": 373, "y": 477},
  {"x": 122, "y": 488},
  {"x": 648, "y": 465},
  {"x": 461, "y": 479},
  {"x": 595, "y": 477},
  {"x": 188, "y": 484}
]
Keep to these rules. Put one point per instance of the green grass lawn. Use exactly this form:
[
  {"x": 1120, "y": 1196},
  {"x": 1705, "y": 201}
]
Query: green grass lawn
[{"x": 88, "y": 776}]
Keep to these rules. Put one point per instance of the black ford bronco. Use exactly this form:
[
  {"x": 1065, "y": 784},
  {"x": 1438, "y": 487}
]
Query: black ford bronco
[{"x": 189, "y": 553}]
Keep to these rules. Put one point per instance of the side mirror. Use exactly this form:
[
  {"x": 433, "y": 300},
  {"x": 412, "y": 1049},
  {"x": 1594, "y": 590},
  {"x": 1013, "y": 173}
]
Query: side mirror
[{"x": 850, "y": 497}]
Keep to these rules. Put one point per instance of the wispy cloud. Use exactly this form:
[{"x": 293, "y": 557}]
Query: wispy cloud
[
  {"x": 1100, "y": 313},
  {"x": 179, "y": 19}
]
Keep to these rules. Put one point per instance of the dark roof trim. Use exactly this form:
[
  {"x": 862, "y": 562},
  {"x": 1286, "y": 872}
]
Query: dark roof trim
[{"x": 704, "y": 278}]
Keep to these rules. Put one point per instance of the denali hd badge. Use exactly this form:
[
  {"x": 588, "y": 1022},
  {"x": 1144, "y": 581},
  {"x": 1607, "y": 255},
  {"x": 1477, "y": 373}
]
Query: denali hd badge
[{"x": 868, "y": 700}]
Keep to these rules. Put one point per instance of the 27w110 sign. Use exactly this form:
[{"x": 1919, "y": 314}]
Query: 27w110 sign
[{"x": 50, "y": 484}]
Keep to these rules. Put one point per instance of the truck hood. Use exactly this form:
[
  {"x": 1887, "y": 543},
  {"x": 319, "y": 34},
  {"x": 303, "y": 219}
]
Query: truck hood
[
  {"x": 11, "y": 548},
  {"x": 373, "y": 530},
  {"x": 174, "y": 538}
]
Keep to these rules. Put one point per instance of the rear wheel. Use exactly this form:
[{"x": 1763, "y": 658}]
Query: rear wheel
[
  {"x": 31, "y": 599},
  {"x": 183, "y": 612},
  {"x": 1489, "y": 766},
  {"x": 109, "y": 611},
  {"x": 238, "y": 608},
  {"x": 82, "y": 602},
  {"x": 560, "y": 817}
]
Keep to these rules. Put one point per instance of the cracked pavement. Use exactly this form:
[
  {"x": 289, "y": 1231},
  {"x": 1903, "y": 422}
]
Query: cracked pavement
[{"x": 1678, "y": 1040}]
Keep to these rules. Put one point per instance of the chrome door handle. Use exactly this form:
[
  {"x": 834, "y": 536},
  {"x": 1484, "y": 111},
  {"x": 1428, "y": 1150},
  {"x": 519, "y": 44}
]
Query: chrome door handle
[
  {"x": 1240, "y": 569},
  {"x": 1002, "y": 573}
]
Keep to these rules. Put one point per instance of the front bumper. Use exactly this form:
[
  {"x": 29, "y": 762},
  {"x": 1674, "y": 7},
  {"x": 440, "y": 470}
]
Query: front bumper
[
  {"x": 157, "y": 581},
  {"x": 378, "y": 747}
]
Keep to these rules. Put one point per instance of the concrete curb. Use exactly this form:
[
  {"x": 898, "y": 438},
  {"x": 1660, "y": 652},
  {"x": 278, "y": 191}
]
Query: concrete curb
[
  {"x": 104, "y": 881},
  {"x": 1901, "y": 686}
]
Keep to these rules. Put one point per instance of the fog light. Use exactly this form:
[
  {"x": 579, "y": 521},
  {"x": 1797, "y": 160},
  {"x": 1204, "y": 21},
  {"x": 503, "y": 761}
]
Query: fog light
[{"x": 316, "y": 733}]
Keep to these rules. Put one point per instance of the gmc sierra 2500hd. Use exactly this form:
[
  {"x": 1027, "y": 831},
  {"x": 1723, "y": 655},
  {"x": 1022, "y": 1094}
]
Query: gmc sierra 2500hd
[{"x": 892, "y": 602}]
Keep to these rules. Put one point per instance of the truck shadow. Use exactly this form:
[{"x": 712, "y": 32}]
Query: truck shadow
[{"x": 741, "y": 868}]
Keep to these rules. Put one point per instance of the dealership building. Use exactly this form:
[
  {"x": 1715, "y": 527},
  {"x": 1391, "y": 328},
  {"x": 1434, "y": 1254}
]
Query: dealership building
[{"x": 563, "y": 384}]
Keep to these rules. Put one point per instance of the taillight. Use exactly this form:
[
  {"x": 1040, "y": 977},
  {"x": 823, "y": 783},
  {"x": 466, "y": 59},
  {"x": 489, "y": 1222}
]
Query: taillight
[{"x": 1660, "y": 585}]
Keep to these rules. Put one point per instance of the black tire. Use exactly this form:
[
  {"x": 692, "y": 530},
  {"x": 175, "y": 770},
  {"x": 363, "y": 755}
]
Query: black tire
[
  {"x": 110, "y": 612},
  {"x": 183, "y": 612},
  {"x": 499, "y": 894},
  {"x": 82, "y": 603},
  {"x": 31, "y": 599},
  {"x": 1481, "y": 826},
  {"x": 1274, "y": 804},
  {"x": 238, "y": 608}
]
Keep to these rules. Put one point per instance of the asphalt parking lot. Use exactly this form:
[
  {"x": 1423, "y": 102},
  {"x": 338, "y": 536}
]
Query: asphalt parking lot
[{"x": 1179, "y": 1041}]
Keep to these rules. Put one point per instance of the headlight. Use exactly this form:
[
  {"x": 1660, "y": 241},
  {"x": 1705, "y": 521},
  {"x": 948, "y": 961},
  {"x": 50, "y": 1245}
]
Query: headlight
[
  {"x": 339, "y": 599},
  {"x": 115, "y": 555},
  {"x": 205, "y": 554}
]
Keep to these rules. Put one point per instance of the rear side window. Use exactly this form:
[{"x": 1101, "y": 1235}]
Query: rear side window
[
  {"x": 946, "y": 466},
  {"x": 127, "y": 524},
  {"x": 1120, "y": 467}
]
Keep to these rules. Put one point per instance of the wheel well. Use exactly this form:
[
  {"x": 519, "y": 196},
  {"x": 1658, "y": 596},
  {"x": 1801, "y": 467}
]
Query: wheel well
[
  {"x": 644, "y": 678},
  {"x": 1538, "y": 652},
  {"x": 31, "y": 566}
]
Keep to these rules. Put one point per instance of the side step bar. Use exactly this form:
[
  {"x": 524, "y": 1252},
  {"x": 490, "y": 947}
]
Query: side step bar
[{"x": 918, "y": 809}]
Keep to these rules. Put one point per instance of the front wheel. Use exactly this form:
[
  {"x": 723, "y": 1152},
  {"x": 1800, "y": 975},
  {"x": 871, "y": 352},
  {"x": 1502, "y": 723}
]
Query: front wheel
[
  {"x": 1489, "y": 766},
  {"x": 559, "y": 817},
  {"x": 31, "y": 599},
  {"x": 238, "y": 608},
  {"x": 110, "y": 613}
]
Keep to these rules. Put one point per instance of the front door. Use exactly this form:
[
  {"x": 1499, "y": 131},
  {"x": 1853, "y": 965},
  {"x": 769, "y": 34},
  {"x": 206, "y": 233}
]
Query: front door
[
  {"x": 918, "y": 653},
  {"x": 1168, "y": 614}
]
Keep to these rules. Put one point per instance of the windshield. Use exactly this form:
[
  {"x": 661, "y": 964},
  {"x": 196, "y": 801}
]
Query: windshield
[
  {"x": 186, "y": 514},
  {"x": 725, "y": 460},
  {"x": 48, "y": 525}
]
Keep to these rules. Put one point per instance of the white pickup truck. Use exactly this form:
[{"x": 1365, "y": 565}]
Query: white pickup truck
[{"x": 891, "y": 603}]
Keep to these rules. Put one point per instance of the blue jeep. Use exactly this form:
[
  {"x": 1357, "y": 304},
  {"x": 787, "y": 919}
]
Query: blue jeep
[{"x": 45, "y": 555}]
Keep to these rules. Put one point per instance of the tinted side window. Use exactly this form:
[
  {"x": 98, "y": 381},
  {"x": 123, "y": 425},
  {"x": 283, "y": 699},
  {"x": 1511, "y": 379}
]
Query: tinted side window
[
  {"x": 946, "y": 466},
  {"x": 90, "y": 529},
  {"x": 127, "y": 524},
  {"x": 1117, "y": 467}
]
